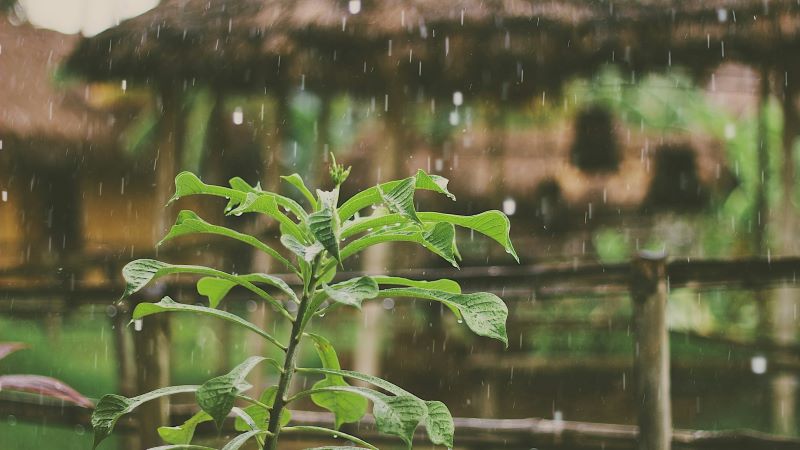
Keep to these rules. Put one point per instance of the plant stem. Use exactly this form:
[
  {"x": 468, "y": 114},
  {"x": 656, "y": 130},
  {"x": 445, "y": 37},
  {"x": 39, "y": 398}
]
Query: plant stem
[{"x": 289, "y": 365}]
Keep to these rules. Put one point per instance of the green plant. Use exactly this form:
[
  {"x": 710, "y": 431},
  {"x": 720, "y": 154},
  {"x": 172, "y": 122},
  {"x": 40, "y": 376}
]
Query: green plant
[{"x": 318, "y": 243}]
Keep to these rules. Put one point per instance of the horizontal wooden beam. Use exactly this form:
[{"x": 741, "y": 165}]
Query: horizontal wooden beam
[
  {"x": 511, "y": 434},
  {"x": 514, "y": 282}
]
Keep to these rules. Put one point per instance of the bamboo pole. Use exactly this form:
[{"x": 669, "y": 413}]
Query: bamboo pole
[{"x": 651, "y": 351}]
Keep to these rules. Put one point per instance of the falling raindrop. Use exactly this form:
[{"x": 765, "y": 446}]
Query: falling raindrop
[
  {"x": 458, "y": 98},
  {"x": 388, "y": 304},
  {"x": 137, "y": 324},
  {"x": 354, "y": 6},
  {"x": 454, "y": 118},
  {"x": 4, "y": 196},
  {"x": 238, "y": 116},
  {"x": 124, "y": 85},
  {"x": 758, "y": 364},
  {"x": 251, "y": 306},
  {"x": 509, "y": 206}
]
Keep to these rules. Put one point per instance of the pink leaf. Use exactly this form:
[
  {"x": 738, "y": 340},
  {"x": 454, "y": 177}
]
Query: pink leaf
[
  {"x": 45, "y": 386},
  {"x": 7, "y": 348}
]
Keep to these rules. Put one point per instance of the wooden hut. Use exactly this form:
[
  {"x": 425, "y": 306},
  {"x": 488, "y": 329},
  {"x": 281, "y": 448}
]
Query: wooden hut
[{"x": 497, "y": 54}]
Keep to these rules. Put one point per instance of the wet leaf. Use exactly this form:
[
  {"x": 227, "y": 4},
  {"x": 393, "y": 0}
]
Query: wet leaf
[
  {"x": 260, "y": 415},
  {"x": 237, "y": 442},
  {"x": 438, "y": 421},
  {"x": 372, "y": 196},
  {"x": 111, "y": 407},
  {"x": 346, "y": 407},
  {"x": 297, "y": 181},
  {"x": 140, "y": 272},
  {"x": 182, "y": 434},
  {"x": 395, "y": 415},
  {"x": 439, "y": 285},
  {"x": 324, "y": 225},
  {"x": 168, "y": 305},
  {"x": 217, "y": 395},
  {"x": 493, "y": 224},
  {"x": 400, "y": 199},
  {"x": 437, "y": 238},
  {"x": 439, "y": 424},
  {"x": 190, "y": 223},
  {"x": 484, "y": 313},
  {"x": 352, "y": 292}
]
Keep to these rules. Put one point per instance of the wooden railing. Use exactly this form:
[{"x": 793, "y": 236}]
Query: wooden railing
[{"x": 648, "y": 278}]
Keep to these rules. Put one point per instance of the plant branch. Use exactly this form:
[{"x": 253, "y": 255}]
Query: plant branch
[{"x": 280, "y": 402}]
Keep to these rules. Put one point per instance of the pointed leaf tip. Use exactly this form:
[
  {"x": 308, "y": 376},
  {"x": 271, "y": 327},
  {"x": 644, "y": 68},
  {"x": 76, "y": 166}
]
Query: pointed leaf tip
[{"x": 217, "y": 396}]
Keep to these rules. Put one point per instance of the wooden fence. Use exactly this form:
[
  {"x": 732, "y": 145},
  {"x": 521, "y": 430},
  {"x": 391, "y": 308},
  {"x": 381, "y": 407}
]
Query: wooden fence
[{"x": 648, "y": 278}]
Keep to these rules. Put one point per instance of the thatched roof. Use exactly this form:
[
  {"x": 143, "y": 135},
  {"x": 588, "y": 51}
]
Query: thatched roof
[
  {"x": 41, "y": 121},
  {"x": 508, "y": 48}
]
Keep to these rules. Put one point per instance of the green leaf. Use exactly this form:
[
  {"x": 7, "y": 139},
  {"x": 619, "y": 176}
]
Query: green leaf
[
  {"x": 324, "y": 225},
  {"x": 376, "y": 221},
  {"x": 439, "y": 285},
  {"x": 141, "y": 271},
  {"x": 336, "y": 434},
  {"x": 187, "y": 183},
  {"x": 267, "y": 204},
  {"x": 484, "y": 313},
  {"x": 493, "y": 224},
  {"x": 346, "y": 407},
  {"x": 346, "y": 447},
  {"x": 441, "y": 240},
  {"x": 181, "y": 447},
  {"x": 111, "y": 407},
  {"x": 439, "y": 424},
  {"x": 237, "y": 442},
  {"x": 284, "y": 202},
  {"x": 273, "y": 281},
  {"x": 378, "y": 382},
  {"x": 217, "y": 288},
  {"x": 217, "y": 395},
  {"x": 214, "y": 288},
  {"x": 168, "y": 305},
  {"x": 260, "y": 415},
  {"x": 352, "y": 292},
  {"x": 297, "y": 181},
  {"x": 182, "y": 434},
  {"x": 190, "y": 223},
  {"x": 400, "y": 199},
  {"x": 433, "y": 183},
  {"x": 372, "y": 195},
  {"x": 395, "y": 415},
  {"x": 437, "y": 238},
  {"x": 306, "y": 252},
  {"x": 241, "y": 185},
  {"x": 438, "y": 420}
]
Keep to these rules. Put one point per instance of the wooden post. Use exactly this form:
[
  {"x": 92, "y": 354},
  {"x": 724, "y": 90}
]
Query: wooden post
[
  {"x": 378, "y": 259},
  {"x": 785, "y": 301},
  {"x": 152, "y": 343},
  {"x": 648, "y": 286}
]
